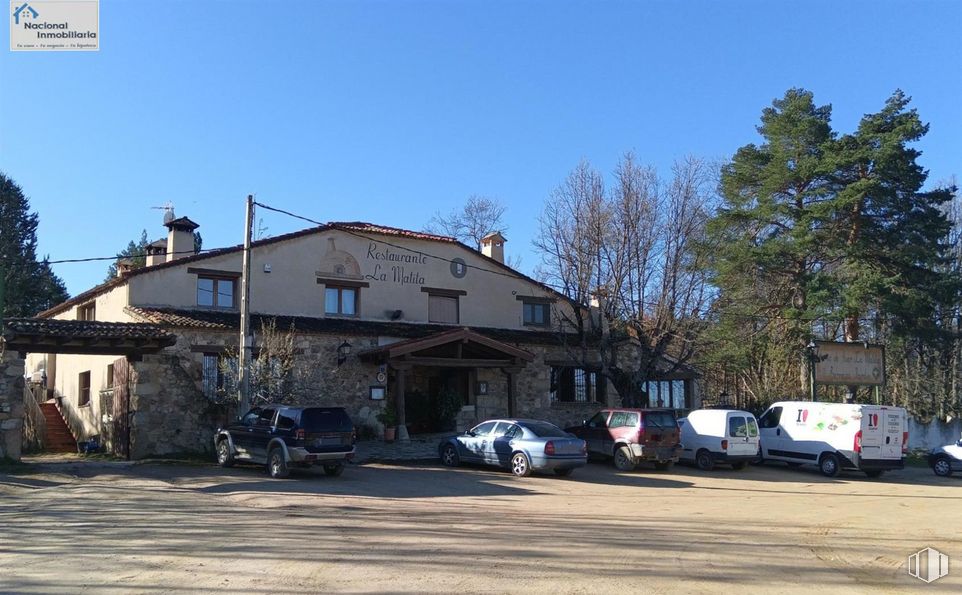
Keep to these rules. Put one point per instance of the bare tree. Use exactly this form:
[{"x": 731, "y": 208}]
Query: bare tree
[
  {"x": 630, "y": 251},
  {"x": 477, "y": 218}
]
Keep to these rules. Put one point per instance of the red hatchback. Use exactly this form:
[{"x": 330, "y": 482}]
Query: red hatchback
[{"x": 631, "y": 436}]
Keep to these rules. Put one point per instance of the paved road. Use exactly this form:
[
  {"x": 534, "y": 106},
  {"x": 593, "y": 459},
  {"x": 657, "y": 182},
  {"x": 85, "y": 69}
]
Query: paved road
[{"x": 120, "y": 528}]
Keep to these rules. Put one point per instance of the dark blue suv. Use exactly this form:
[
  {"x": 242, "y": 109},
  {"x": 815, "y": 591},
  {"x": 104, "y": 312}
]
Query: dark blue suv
[{"x": 283, "y": 437}]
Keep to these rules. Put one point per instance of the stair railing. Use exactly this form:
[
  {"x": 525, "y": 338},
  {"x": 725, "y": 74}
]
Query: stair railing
[{"x": 35, "y": 424}]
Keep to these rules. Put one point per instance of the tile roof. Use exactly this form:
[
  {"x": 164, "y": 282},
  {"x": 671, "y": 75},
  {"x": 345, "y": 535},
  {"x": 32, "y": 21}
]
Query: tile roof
[
  {"x": 352, "y": 227},
  {"x": 230, "y": 321},
  {"x": 84, "y": 329}
]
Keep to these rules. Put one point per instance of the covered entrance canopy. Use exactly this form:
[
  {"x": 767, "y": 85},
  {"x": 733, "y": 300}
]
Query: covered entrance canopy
[
  {"x": 86, "y": 337},
  {"x": 458, "y": 348},
  {"x": 20, "y": 410}
]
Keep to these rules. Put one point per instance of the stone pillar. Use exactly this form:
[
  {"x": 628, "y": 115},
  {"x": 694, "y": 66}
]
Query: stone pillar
[{"x": 11, "y": 405}]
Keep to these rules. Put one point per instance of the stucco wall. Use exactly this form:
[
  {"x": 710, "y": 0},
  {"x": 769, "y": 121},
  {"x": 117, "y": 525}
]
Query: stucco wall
[
  {"x": 11, "y": 405},
  {"x": 291, "y": 287},
  {"x": 933, "y": 434}
]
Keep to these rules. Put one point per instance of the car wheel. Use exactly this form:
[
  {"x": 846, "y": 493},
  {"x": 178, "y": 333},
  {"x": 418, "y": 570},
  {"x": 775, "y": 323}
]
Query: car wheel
[
  {"x": 663, "y": 465},
  {"x": 334, "y": 470},
  {"x": 739, "y": 465},
  {"x": 563, "y": 472},
  {"x": 704, "y": 460},
  {"x": 225, "y": 458},
  {"x": 520, "y": 465},
  {"x": 276, "y": 464},
  {"x": 449, "y": 456},
  {"x": 829, "y": 465},
  {"x": 624, "y": 461},
  {"x": 873, "y": 473},
  {"x": 942, "y": 467}
]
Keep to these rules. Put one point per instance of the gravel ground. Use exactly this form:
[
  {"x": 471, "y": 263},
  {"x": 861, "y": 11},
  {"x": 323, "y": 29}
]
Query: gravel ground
[{"x": 69, "y": 526}]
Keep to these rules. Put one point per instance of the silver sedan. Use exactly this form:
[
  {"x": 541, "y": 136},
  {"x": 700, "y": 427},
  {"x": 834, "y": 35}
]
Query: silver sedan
[{"x": 522, "y": 445}]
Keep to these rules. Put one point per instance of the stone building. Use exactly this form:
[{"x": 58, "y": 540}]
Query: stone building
[{"x": 382, "y": 317}]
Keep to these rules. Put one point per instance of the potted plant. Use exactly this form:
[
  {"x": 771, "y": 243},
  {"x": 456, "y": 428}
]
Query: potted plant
[{"x": 388, "y": 417}]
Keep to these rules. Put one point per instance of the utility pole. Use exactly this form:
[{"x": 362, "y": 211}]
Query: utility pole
[{"x": 244, "y": 353}]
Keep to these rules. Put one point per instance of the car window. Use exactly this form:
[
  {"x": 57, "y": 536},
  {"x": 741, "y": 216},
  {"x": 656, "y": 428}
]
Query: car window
[
  {"x": 543, "y": 429},
  {"x": 265, "y": 417},
  {"x": 737, "y": 428},
  {"x": 484, "y": 429},
  {"x": 752, "y": 428},
  {"x": 286, "y": 419},
  {"x": 660, "y": 419},
  {"x": 326, "y": 419},
  {"x": 599, "y": 420},
  {"x": 507, "y": 430},
  {"x": 250, "y": 418},
  {"x": 771, "y": 418},
  {"x": 618, "y": 419},
  {"x": 631, "y": 419}
]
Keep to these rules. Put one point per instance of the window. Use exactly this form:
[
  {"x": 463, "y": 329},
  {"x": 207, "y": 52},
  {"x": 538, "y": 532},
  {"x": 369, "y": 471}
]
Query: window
[
  {"x": 600, "y": 420},
  {"x": 87, "y": 311},
  {"x": 442, "y": 308},
  {"x": 752, "y": 428},
  {"x": 770, "y": 418},
  {"x": 83, "y": 383},
  {"x": 619, "y": 419},
  {"x": 265, "y": 418},
  {"x": 536, "y": 314},
  {"x": 484, "y": 429},
  {"x": 340, "y": 300},
  {"x": 110, "y": 375},
  {"x": 576, "y": 385},
  {"x": 215, "y": 292},
  {"x": 214, "y": 380},
  {"x": 737, "y": 428},
  {"x": 665, "y": 393},
  {"x": 286, "y": 419}
]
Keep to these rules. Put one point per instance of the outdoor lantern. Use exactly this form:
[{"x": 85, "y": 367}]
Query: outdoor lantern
[{"x": 343, "y": 350}]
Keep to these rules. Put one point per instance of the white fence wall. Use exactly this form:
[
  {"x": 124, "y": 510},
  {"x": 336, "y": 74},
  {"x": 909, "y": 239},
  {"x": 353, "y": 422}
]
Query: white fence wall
[{"x": 933, "y": 434}]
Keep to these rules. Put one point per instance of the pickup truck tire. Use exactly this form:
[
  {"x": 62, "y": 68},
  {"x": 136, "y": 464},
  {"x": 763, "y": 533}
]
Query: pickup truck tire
[
  {"x": 276, "y": 465},
  {"x": 225, "y": 458}
]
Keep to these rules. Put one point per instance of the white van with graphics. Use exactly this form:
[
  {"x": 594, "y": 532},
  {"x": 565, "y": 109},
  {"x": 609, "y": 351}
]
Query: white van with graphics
[
  {"x": 712, "y": 436},
  {"x": 835, "y": 436}
]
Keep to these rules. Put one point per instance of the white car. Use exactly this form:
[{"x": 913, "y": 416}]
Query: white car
[
  {"x": 712, "y": 436},
  {"x": 946, "y": 459}
]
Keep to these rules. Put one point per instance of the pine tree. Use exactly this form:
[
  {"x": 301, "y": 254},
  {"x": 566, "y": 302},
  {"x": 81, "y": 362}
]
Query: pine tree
[{"x": 26, "y": 285}]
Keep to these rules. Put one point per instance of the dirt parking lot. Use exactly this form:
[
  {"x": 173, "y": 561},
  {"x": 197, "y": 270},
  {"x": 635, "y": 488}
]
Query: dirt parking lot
[{"x": 160, "y": 528}]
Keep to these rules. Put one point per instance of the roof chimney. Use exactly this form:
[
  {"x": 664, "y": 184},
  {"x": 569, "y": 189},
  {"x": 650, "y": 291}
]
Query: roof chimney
[
  {"x": 180, "y": 238},
  {"x": 124, "y": 266},
  {"x": 157, "y": 252},
  {"x": 492, "y": 246}
]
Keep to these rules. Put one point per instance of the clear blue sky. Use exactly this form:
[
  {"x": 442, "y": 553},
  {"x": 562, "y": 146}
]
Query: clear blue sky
[{"x": 389, "y": 111}]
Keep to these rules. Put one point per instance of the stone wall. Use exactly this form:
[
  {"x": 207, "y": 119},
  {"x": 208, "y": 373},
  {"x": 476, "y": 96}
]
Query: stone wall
[{"x": 11, "y": 404}]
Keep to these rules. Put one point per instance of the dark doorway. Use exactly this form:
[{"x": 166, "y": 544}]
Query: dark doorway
[{"x": 434, "y": 409}]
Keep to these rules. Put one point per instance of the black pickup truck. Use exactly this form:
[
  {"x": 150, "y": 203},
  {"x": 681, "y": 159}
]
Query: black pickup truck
[{"x": 283, "y": 437}]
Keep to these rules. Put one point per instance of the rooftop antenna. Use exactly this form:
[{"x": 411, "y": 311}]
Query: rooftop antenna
[{"x": 168, "y": 210}]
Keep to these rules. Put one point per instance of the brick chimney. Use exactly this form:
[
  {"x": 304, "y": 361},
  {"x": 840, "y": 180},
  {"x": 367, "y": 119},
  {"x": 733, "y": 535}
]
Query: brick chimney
[
  {"x": 156, "y": 252},
  {"x": 492, "y": 246},
  {"x": 180, "y": 238}
]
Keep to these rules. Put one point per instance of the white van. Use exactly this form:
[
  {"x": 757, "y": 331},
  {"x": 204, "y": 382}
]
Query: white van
[
  {"x": 710, "y": 436},
  {"x": 835, "y": 436}
]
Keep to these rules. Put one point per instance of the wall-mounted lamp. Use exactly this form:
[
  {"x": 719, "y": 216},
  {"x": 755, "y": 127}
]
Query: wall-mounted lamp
[{"x": 343, "y": 351}]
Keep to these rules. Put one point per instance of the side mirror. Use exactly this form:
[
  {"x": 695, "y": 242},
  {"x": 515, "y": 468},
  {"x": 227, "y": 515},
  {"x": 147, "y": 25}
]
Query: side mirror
[
  {"x": 469, "y": 433},
  {"x": 959, "y": 443}
]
